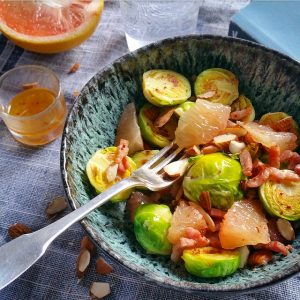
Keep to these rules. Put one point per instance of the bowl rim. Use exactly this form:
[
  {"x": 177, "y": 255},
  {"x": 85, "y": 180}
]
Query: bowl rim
[{"x": 200, "y": 288}]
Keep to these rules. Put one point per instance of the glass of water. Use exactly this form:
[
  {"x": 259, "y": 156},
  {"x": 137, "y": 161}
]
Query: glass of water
[{"x": 147, "y": 21}]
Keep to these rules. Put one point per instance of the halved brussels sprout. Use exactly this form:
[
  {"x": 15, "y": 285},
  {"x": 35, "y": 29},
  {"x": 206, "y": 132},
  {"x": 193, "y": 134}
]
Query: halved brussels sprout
[
  {"x": 242, "y": 103},
  {"x": 96, "y": 169},
  {"x": 165, "y": 87},
  {"x": 221, "y": 83},
  {"x": 281, "y": 200},
  {"x": 218, "y": 174},
  {"x": 209, "y": 262},
  {"x": 142, "y": 157},
  {"x": 151, "y": 224},
  {"x": 183, "y": 108},
  {"x": 160, "y": 137}
]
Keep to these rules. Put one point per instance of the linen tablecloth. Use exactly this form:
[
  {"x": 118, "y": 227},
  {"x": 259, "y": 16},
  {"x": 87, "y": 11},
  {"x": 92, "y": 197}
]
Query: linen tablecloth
[{"x": 30, "y": 177}]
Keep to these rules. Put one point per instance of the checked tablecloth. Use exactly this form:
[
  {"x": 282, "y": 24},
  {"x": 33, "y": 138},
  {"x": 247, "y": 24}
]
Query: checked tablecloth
[{"x": 30, "y": 177}]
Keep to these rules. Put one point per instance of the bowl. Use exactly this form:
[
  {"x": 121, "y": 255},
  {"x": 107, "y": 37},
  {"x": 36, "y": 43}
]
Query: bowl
[{"x": 270, "y": 79}]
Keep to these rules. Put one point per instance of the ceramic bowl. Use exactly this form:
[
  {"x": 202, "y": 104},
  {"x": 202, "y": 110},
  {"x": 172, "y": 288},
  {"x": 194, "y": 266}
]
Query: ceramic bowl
[{"x": 271, "y": 80}]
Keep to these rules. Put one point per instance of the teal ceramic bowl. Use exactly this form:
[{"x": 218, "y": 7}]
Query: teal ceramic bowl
[{"x": 271, "y": 80}]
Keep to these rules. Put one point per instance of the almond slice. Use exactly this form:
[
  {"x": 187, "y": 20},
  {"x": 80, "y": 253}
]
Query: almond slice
[
  {"x": 98, "y": 290},
  {"x": 83, "y": 262},
  {"x": 102, "y": 267},
  {"x": 236, "y": 147},
  {"x": 18, "y": 229},
  {"x": 286, "y": 230},
  {"x": 244, "y": 255},
  {"x": 56, "y": 206},
  {"x": 177, "y": 168},
  {"x": 111, "y": 172}
]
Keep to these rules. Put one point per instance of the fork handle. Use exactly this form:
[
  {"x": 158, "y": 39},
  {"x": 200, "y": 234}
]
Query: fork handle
[
  {"x": 21, "y": 253},
  {"x": 53, "y": 230}
]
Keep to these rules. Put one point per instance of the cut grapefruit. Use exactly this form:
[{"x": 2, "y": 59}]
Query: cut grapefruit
[{"x": 49, "y": 26}]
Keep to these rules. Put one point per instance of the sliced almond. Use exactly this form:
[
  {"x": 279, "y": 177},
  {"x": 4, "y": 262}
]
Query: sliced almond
[
  {"x": 56, "y": 206},
  {"x": 238, "y": 131},
  {"x": 111, "y": 172},
  {"x": 236, "y": 147},
  {"x": 74, "y": 68},
  {"x": 86, "y": 243},
  {"x": 286, "y": 230},
  {"x": 18, "y": 229},
  {"x": 223, "y": 140},
  {"x": 244, "y": 255},
  {"x": 102, "y": 267},
  {"x": 98, "y": 290},
  {"x": 176, "y": 168},
  {"x": 83, "y": 262},
  {"x": 193, "y": 151}
]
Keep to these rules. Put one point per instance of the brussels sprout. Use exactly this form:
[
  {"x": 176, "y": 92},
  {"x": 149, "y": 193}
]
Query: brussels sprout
[
  {"x": 242, "y": 103},
  {"x": 218, "y": 174},
  {"x": 165, "y": 87},
  {"x": 142, "y": 157},
  {"x": 281, "y": 200},
  {"x": 160, "y": 137},
  {"x": 183, "y": 108},
  {"x": 220, "y": 82},
  {"x": 96, "y": 169},
  {"x": 151, "y": 224},
  {"x": 210, "y": 262}
]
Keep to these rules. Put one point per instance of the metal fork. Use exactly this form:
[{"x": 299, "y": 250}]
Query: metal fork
[{"x": 21, "y": 253}]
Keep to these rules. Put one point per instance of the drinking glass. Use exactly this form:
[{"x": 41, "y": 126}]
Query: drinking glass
[
  {"x": 44, "y": 126},
  {"x": 146, "y": 21}
]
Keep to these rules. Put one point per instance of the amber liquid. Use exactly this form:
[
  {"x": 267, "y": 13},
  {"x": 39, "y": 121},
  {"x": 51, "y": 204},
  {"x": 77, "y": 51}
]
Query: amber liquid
[{"x": 42, "y": 116}]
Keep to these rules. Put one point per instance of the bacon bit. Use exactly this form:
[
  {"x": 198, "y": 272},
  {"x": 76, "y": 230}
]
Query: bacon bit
[
  {"x": 287, "y": 155},
  {"x": 260, "y": 257},
  {"x": 214, "y": 240},
  {"x": 240, "y": 114},
  {"x": 74, "y": 68},
  {"x": 183, "y": 243},
  {"x": 122, "y": 150},
  {"x": 274, "y": 156},
  {"x": 30, "y": 85},
  {"x": 193, "y": 151},
  {"x": 292, "y": 157},
  {"x": 207, "y": 95},
  {"x": 210, "y": 149},
  {"x": 297, "y": 169},
  {"x": 259, "y": 179},
  {"x": 277, "y": 247},
  {"x": 282, "y": 176},
  {"x": 164, "y": 117},
  {"x": 246, "y": 162},
  {"x": 283, "y": 125},
  {"x": 205, "y": 200},
  {"x": 217, "y": 213},
  {"x": 194, "y": 234}
]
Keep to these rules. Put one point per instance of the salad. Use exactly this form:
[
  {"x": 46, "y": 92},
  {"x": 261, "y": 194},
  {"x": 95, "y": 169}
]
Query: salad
[{"x": 237, "y": 200}]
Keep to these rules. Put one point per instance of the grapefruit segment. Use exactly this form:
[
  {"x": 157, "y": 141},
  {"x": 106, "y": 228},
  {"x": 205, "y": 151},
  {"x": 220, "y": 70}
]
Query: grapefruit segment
[
  {"x": 244, "y": 224},
  {"x": 201, "y": 123},
  {"x": 49, "y": 26}
]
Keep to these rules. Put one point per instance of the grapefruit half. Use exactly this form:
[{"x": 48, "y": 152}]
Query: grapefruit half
[{"x": 49, "y": 26}]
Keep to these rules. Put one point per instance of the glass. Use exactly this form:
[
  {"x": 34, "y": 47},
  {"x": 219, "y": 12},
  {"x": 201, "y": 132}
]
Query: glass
[
  {"x": 47, "y": 115},
  {"x": 147, "y": 21}
]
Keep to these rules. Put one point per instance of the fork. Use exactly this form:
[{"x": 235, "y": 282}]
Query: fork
[{"x": 21, "y": 253}]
